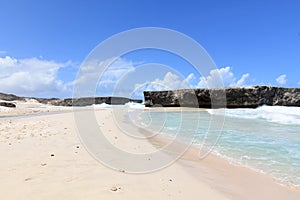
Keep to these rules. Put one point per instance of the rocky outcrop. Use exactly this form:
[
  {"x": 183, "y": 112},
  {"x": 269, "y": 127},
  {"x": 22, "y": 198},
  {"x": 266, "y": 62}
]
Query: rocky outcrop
[
  {"x": 251, "y": 97},
  {"x": 84, "y": 101},
  {"x": 11, "y": 97},
  {"x": 87, "y": 101},
  {"x": 45, "y": 100},
  {"x": 6, "y": 104}
]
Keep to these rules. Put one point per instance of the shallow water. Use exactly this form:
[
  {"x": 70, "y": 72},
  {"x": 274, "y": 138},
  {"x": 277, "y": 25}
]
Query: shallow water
[{"x": 266, "y": 139}]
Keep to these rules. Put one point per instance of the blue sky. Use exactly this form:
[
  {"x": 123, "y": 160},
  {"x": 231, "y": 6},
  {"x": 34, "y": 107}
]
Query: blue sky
[{"x": 42, "y": 43}]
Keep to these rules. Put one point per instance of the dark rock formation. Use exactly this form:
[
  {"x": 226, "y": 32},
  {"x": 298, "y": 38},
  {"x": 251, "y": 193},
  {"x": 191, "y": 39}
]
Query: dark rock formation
[
  {"x": 45, "y": 100},
  {"x": 10, "y": 97},
  {"x": 84, "y": 101},
  {"x": 87, "y": 101},
  {"x": 6, "y": 104},
  {"x": 251, "y": 97}
]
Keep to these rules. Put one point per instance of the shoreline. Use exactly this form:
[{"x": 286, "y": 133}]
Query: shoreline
[
  {"x": 230, "y": 160},
  {"x": 193, "y": 151},
  {"x": 260, "y": 181},
  {"x": 218, "y": 167}
]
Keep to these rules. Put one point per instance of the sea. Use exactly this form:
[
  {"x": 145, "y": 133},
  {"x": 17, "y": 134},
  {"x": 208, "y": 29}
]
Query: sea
[{"x": 265, "y": 139}]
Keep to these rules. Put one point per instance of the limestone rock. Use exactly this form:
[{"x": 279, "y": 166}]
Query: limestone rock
[{"x": 251, "y": 97}]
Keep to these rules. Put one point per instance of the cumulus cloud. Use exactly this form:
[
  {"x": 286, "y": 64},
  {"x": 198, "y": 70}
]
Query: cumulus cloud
[
  {"x": 281, "y": 79},
  {"x": 172, "y": 81},
  {"x": 39, "y": 77},
  {"x": 113, "y": 74},
  {"x": 190, "y": 79},
  {"x": 221, "y": 76},
  {"x": 90, "y": 81},
  {"x": 31, "y": 76},
  {"x": 242, "y": 80}
]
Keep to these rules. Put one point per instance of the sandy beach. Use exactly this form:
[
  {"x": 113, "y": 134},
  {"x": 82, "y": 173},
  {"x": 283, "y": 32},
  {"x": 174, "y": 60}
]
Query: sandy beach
[{"x": 42, "y": 158}]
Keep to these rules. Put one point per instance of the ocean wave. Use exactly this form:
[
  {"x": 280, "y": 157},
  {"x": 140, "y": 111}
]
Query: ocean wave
[
  {"x": 134, "y": 105},
  {"x": 277, "y": 114},
  {"x": 127, "y": 105}
]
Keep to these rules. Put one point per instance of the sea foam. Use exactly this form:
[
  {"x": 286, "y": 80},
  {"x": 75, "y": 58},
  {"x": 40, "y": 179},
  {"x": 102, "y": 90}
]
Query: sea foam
[
  {"x": 277, "y": 114},
  {"x": 127, "y": 105}
]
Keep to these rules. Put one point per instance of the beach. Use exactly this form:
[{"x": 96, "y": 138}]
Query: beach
[
  {"x": 43, "y": 158},
  {"x": 149, "y": 100}
]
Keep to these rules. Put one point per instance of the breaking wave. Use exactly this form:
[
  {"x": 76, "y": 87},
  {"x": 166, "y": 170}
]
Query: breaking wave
[{"x": 277, "y": 114}]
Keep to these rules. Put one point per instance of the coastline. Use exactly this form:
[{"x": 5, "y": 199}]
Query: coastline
[
  {"x": 234, "y": 180},
  {"x": 27, "y": 164}
]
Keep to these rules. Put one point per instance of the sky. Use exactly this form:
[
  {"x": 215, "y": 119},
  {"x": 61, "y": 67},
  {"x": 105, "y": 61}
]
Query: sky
[{"x": 44, "y": 43}]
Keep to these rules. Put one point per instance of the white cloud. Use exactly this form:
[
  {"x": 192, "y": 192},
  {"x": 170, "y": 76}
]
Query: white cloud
[
  {"x": 242, "y": 80},
  {"x": 113, "y": 74},
  {"x": 31, "y": 76},
  {"x": 170, "y": 81},
  {"x": 222, "y": 75},
  {"x": 189, "y": 80},
  {"x": 281, "y": 79},
  {"x": 39, "y": 77},
  {"x": 114, "y": 70}
]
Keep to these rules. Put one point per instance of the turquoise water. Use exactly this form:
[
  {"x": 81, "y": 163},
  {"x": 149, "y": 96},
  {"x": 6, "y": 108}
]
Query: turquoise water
[{"x": 266, "y": 139}]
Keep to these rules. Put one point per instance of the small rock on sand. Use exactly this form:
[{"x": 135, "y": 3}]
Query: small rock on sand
[
  {"x": 28, "y": 179},
  {"x": 114, "y": 188}
]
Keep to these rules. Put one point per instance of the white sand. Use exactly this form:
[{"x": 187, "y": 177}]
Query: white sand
[{"x": 28, "y": 171}]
